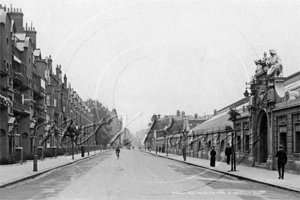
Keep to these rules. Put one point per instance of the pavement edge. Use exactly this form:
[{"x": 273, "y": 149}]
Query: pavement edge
[
  {"x": 32, "y": 176},
  {"x": 230, "y": 174}
]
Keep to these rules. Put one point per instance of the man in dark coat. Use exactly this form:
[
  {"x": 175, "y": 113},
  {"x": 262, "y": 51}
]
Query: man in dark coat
[
  {"x": 281, "y": 161},
  {"x": 228, "y": 153},
  {"x": 212, "y": 157}
]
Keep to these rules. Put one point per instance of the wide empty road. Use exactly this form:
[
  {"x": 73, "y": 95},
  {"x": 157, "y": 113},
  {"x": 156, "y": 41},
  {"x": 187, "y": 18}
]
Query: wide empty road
[{"x": 138, "y": 175}]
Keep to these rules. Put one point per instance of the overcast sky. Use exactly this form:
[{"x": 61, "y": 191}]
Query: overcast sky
[{"x": 146, "y": 57}]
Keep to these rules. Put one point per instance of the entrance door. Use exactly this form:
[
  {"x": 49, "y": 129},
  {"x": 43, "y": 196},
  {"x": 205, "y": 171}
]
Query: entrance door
[{"x": 263, "y": 138}]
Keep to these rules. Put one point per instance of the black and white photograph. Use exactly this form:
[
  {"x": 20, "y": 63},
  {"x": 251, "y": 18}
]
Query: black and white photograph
[{"x": 149, "y": 99}]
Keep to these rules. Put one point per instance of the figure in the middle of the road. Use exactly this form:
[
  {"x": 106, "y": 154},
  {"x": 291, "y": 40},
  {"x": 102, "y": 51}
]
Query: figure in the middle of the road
[
  {"x": 117, "y": 152},
  {"x": 228, "y": 153},
  {"x": 212, "y": 157}
]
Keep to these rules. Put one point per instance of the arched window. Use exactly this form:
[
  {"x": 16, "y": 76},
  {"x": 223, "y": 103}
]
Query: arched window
[
  {"x": 24, "y": 135},
  {"x": 2, "y": 138},
  {"x": 222, "y": 145},
  {"x": 2, "y": 133},
  {"x": 209, "y": 145},
  {"x": 199, "y": 146}
]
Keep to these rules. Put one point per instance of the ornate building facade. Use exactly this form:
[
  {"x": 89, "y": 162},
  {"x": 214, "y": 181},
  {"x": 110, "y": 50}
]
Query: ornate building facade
[{"x": 270, "y": 116}]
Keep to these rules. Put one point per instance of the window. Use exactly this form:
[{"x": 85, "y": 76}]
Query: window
[
  {"x": 48, "y": 99},
  {"x": 222, "y": 145},
  {"x": 297, "y": 138},
  {"x": 247, "y": 142},
  {"x": 238, "y": 140},
  {"x": 55, "y": 102},
  {"x": 48, "y": 117},
  {"x": 282, "y": 136}
]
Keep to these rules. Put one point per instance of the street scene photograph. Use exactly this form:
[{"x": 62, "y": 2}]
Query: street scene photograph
[{"x": 149, "y": 99}]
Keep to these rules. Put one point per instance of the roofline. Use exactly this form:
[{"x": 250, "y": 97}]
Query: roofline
[{"x": 235, "y": 104}]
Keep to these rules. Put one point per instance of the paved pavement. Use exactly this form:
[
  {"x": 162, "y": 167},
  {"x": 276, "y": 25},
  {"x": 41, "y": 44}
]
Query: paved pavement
[
  {"x": 11, "y": 174},
  {"x": 269, "y": 177}
]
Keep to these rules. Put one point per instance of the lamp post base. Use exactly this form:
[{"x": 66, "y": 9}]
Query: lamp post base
[{"x": 35, "y": 168}]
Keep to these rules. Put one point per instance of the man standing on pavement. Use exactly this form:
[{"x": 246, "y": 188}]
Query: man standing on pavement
[
  {"x": 228, "y": 153},
  {"x": 281, "y": 161}
]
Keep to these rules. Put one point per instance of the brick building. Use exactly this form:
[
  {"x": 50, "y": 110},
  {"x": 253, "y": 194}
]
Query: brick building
[{"x": 31, "y": 94}]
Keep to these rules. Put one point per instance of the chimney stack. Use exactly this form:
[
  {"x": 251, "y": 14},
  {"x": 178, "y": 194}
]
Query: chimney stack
[
  {"x": 65, "y": 80},
  {"x": 215, "y": 112},
  {"x": 17, "y": 17},
  {"x": 30, "y": 32}
]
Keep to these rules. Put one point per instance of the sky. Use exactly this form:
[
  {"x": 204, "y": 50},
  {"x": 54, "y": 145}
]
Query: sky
[{"x": 149, "y": 57}]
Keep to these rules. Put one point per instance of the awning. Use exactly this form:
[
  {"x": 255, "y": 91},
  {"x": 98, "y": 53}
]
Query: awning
[
  {"x": 198, "y": 138},
  {"x": 217, "y": 122},
  {"x": 17, "y": 59}
]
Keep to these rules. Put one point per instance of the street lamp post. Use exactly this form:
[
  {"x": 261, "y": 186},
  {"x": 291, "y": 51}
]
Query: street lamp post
[
  {"x": 166, "y": 142},
  {"x": 35, "y": 166},
  {"x": 233, "y": 116},
  {"x": 233, "y": 153}
]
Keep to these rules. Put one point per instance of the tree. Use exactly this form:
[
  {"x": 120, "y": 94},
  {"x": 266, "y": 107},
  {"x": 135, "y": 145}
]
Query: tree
[
  {"x": 233, "y": 116},
  {"x": 99, "y": 111}
]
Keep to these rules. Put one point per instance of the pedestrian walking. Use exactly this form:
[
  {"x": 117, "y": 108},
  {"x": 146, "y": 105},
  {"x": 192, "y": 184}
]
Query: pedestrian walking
[
  {"x": 213, "y": 156},
  {"x": 118, "y": 152},
  {"x": 228, "y": 152},
  {"x": 281, "y": 161}
]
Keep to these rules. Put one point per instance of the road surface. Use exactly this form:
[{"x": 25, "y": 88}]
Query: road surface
[{"x": 138, "y": 175}]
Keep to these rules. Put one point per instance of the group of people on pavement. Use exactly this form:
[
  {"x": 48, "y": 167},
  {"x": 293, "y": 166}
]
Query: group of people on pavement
[{"x": 280, "y": 155}]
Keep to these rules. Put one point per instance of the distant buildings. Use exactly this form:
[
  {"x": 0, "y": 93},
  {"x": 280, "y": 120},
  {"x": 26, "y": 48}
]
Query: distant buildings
[{"x": 176, "y": 128}]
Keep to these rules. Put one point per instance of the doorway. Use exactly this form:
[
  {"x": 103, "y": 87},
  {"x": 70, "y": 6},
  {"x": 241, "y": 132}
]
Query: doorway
[{"x": 262, "y": 137}]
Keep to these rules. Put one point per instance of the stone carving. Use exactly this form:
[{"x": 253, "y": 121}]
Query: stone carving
[
  {"x": 291, "y": 95},
  {"x": 261, "y": 64},
  {"x": 275, "y": 65}
]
